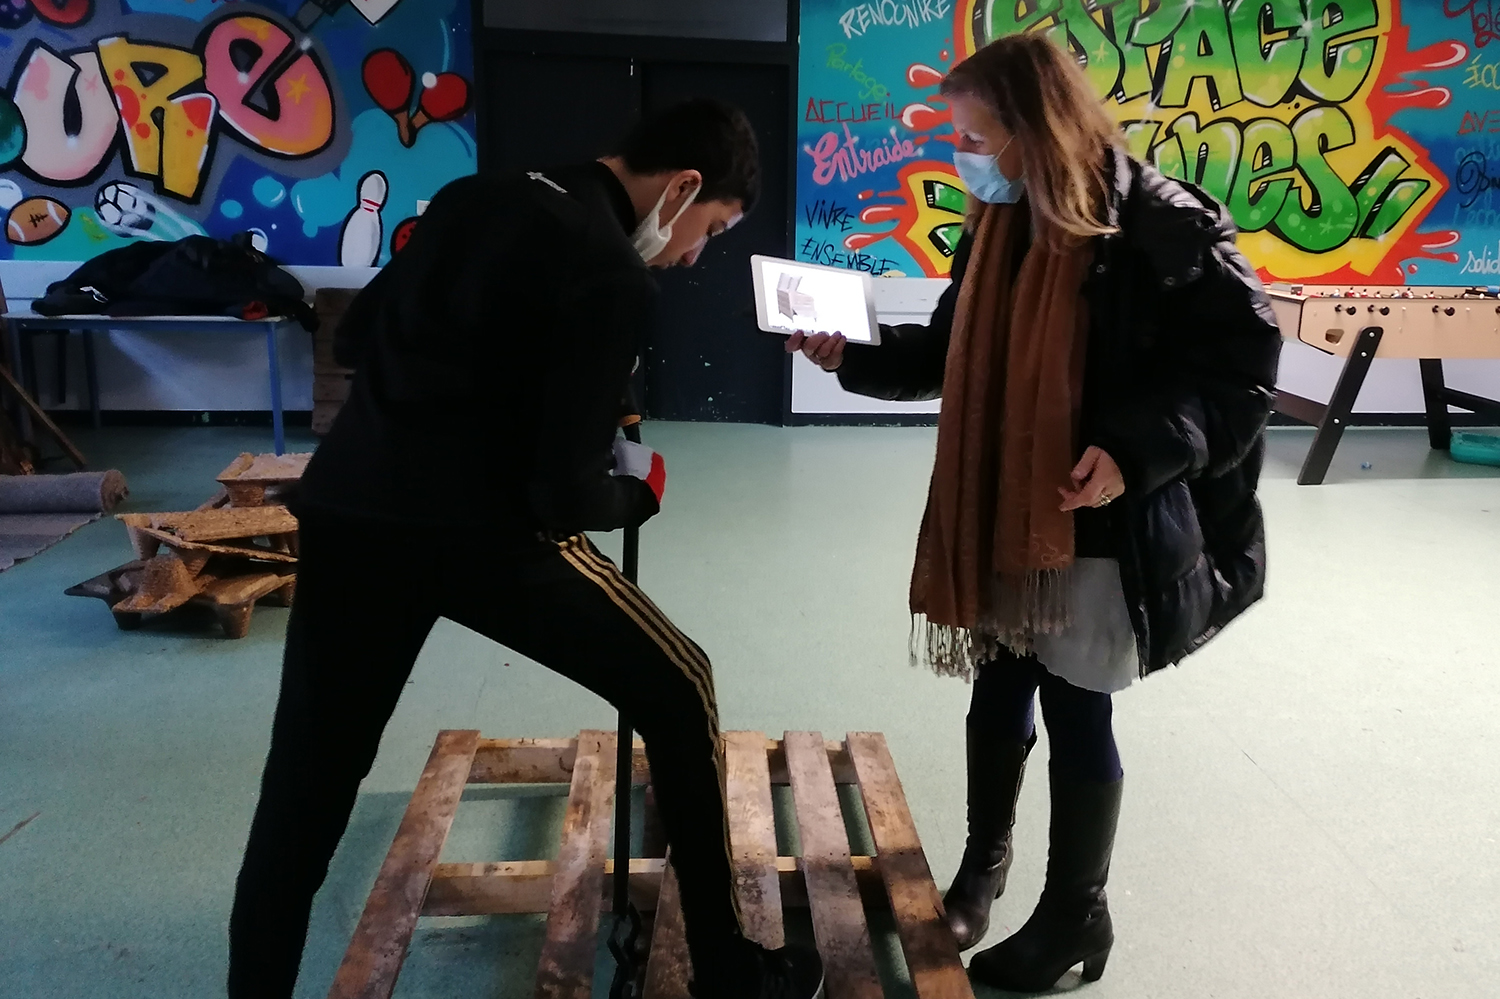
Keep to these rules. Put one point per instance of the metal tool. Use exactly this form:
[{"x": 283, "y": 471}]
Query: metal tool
[{"x": 625, "y": 941}]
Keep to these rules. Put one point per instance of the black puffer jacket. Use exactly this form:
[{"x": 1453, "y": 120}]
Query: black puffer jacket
[{"x": 1182, "y": 357}]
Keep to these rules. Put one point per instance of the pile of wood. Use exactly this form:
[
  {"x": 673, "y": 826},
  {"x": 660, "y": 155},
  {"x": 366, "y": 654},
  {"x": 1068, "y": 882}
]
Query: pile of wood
[
  {"x": 331, "y": 381},
  {"x": 236, "y": 550}
]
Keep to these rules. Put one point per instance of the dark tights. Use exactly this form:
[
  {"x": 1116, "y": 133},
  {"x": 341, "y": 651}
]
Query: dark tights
[{"x": 1079, "y": 729}]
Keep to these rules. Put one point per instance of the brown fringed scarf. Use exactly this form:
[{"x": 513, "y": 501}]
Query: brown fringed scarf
[{"x": 994, "y": 554}]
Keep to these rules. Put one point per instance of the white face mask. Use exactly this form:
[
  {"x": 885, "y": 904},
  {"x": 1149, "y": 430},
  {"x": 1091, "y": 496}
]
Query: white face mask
[{"x": 650, "y": 237}]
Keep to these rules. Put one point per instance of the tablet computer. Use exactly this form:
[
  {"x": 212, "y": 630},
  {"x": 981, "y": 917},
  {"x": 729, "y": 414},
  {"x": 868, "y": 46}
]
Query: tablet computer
[{"x": 792, "y": 296}]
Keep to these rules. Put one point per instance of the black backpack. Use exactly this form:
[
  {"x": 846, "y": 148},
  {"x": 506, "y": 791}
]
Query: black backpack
[{"x": 195, "y": 276}]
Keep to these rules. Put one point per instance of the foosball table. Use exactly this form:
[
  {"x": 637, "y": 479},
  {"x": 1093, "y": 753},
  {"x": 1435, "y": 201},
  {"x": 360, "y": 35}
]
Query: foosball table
[{"x": 1424, "y": 323}]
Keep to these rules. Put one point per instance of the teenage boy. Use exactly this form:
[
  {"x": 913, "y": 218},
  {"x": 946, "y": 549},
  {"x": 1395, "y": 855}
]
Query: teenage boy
[{"x": 477, "y": 446}]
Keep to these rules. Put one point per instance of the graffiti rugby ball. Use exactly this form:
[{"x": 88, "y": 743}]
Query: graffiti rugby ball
[{"x": 35, "y": 221}]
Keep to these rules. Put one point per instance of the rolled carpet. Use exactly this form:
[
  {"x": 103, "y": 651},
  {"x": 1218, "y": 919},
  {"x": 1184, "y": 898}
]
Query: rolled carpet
[
  {"x": 80, "y": 492},
  {"x": 38, "y": 511}
]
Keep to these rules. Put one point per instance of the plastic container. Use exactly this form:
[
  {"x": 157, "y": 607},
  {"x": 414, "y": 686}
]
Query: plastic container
[{"x": 1475, "y": 449}]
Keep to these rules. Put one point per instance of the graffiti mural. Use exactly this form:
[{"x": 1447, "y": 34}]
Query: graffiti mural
[
  {"x": 218, "y": 117},
  {"x": 1350, "y": 139}
]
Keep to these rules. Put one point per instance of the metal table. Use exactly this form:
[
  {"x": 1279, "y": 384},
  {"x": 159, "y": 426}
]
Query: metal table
[{"x": 25, "y": 323}]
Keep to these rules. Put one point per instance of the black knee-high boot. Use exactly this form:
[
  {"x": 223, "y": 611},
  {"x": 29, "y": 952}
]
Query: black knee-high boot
[
  {"x": 996, "y": 768},
  {"x": 1071, "y": 923}
]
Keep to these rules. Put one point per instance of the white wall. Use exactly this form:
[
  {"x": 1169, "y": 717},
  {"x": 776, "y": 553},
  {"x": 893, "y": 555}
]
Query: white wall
[
  {"x": 1393, "y": 386},
  {"x": 175, "y": 371},
  {"x": 184, "y": 371}
]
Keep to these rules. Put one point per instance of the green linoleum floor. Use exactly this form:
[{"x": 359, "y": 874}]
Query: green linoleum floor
[{"x": 1312, "y": 805}]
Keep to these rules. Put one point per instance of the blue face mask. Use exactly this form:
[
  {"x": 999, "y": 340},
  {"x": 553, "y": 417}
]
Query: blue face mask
[{"x": 981, "y": 175}]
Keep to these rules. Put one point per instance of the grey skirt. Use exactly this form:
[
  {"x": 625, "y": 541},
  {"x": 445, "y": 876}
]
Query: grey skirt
[{"x": 1097, "y": 651}]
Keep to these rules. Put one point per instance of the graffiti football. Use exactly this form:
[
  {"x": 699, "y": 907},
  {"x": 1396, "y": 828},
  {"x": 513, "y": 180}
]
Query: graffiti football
[{"x": 35, "y": 221}]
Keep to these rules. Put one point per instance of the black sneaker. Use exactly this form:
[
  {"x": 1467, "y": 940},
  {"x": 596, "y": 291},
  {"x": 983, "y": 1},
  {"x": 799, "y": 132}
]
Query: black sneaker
[{"x": 789, "y": 973}]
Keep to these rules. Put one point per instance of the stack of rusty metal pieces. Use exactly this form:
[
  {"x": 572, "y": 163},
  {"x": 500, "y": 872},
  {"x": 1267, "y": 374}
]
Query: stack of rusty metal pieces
[{"x": 236, "y": 550}]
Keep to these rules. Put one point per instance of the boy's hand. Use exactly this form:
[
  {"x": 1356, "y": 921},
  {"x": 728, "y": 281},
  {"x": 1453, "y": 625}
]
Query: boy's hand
[
  {"x": 826, "y": 350},
  {"x": 641, "y": 462}
]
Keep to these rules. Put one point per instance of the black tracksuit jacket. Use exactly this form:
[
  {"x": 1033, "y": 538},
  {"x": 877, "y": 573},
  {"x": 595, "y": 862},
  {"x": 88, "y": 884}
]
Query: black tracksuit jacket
[{"x": 491, "y": 355}]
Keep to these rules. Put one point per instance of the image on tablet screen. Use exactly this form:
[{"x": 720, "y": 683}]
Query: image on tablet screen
[{"x": 817, "y": 301}]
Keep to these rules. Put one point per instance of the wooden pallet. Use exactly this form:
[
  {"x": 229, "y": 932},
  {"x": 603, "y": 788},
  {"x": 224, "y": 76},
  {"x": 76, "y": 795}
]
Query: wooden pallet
[
  {"x": 836, "y": 885},
  {"x": 257, "y": 479},
  {"x": 162, "y": 584}
]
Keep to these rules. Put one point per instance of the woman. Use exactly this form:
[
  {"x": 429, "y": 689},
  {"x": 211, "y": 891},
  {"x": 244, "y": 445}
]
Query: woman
[{"x": 1106, "y": 360}]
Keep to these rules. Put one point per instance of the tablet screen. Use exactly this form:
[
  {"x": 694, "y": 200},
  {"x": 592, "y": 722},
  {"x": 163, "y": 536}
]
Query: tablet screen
[{"x": 793, "y": 296}]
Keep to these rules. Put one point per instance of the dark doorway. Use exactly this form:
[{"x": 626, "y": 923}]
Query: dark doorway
[
  {"x": 554, "y": 109},
  {"x": 551, "y": 97},
  {"x": 708, "y": 360}
]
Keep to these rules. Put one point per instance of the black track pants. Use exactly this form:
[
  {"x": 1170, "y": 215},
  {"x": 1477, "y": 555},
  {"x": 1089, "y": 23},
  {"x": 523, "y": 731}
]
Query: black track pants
[{"x": 365, "y": 603}]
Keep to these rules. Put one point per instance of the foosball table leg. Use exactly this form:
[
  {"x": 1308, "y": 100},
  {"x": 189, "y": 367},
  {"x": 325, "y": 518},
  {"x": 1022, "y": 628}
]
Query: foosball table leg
[
  {"x": 1340, "y": 405},
  {"x": 1434, "y": 394}
]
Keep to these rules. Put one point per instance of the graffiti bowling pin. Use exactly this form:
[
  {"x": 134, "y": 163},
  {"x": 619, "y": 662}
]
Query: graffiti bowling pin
[{"x": 359, "y": 243}]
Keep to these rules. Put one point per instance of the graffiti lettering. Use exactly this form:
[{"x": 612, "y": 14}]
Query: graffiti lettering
[
  {"x": 1482, "y": 264},
  {"x": 1473, "y": 121},
  {"x": 911, "y": 13},
  {"x": 832, "y": 255},
  {"x": 848, "y": 161},
  {"x": 874, "y": 90},
  {"x": 1481, "y": 18},
  {"x": 1228, "y": 50},
  {"x": 825, "y": 214},
  {"x": 67, "y": 115},
  {"x": 1251, "y": 167},
  {"x": 1188, "y": 81},
  {"x": 166, "y": 136},
  {"x": 1478, "y": 74},
  {"x": 164, "y": 101},
  {"x": 271, "y": 91},
  {"x": 1473, "y": 178},
  {"x": 833, "y": 112}
]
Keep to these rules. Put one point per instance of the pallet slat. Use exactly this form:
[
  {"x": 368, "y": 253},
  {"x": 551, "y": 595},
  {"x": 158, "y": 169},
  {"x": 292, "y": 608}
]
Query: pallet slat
[
  {"x": 512, "y": 887},
  {"x": 566, "y": 970},
  {"x": 833, "y": 894},
  {"x": 375, "y": 954},
  {"x": 931, "y": 952},
  {"x": 550, "y": 761},
  {"x": 668, "y": 969},
  {"x": 752, "y": 838}
]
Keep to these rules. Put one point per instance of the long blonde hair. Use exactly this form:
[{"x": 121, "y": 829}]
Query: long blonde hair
[{"x": 1042, "y": 97}]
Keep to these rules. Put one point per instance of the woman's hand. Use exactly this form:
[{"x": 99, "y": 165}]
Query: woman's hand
[
  {"x": 1096, "y": 482},
  {"x": 826, "y": 350}
]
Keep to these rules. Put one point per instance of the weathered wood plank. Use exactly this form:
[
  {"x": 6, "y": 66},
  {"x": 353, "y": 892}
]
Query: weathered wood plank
[
  {"x": 537, "y": 761},
  {"x": 668, "y": 969},
  {"x": 838, "y": 916},
  {"x": 550, "y": 761},
  {"x": 383, "y": 935},
  {"x": 566, "y": 969},
  {"x": 752, "y": 837},
  {"x": 931, "y": 952},
  {"x": 525, "y": 886}
]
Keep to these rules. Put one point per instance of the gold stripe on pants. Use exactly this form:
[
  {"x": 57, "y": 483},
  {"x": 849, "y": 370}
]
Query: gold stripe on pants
[{"x": 580, "y": 553}]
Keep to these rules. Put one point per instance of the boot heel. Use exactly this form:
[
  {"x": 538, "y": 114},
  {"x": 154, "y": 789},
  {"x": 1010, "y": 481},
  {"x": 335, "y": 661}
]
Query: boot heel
[{"x": 1093, "y": 968}]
